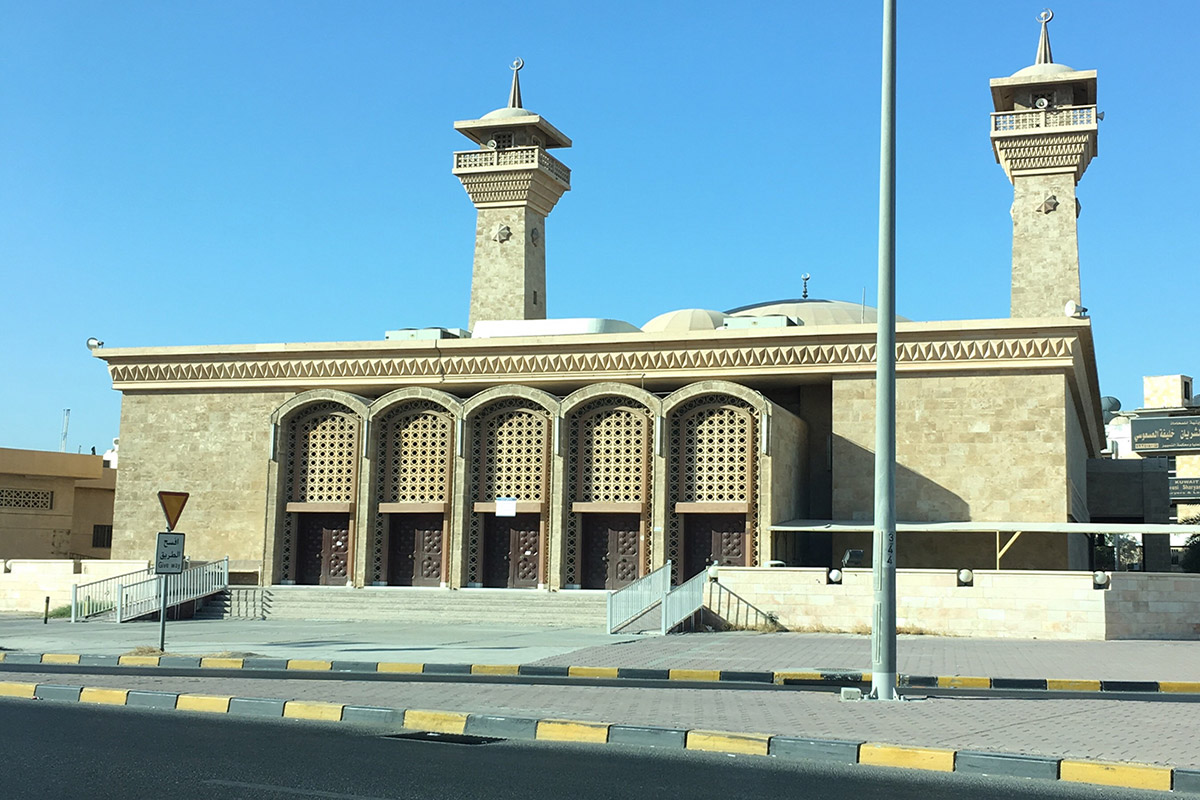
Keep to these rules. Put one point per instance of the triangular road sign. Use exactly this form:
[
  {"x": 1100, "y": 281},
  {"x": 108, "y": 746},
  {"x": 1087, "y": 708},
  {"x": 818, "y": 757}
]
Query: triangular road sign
[{"x": 172, "y": 506}]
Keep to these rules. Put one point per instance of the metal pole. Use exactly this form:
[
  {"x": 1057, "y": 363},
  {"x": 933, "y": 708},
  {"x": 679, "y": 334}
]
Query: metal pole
[
  {"x": 162, "y": 617},
  {"x": 883, "y": 562},
  {"x": 74, "y": 599}
]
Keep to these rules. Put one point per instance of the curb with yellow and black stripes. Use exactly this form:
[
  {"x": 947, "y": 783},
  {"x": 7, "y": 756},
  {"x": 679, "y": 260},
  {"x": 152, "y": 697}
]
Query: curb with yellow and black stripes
[
  {"x": 792, "y": 677},
  {"x": 1126, "y": 775}
]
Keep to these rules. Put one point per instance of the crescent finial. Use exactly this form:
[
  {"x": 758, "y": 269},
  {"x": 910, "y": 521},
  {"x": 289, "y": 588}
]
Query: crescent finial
[
  {"x": 1045, "y": 16},
  {"x": 516, "y": 65}
]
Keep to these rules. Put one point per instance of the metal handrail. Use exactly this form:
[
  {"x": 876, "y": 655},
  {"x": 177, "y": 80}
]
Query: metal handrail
[
  {"x": 638, "y": 597},
  {"x": 145, "y": 597},
  {"x": 99, "y": 597},
  {"x": 684, "y": 600}
]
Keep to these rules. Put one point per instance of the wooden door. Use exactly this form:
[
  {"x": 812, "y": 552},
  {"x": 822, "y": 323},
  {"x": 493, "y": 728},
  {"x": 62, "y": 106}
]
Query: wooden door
[
  {"x": 713, "y": 536},
  {"x": 609, "y": 550},
  {"x": 415, "y": 549},
  {"x": 511, "y": 551},
  {"x": 323, "y": 549}
]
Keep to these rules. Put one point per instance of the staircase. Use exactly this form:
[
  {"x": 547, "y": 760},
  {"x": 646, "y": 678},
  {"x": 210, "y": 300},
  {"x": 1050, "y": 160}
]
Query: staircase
[
  {"x": 574, "y": 609},
  {"x": 236, "y": 602}
]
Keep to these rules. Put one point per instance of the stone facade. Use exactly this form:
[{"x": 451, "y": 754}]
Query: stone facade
[{"x": 51, "y": 505}]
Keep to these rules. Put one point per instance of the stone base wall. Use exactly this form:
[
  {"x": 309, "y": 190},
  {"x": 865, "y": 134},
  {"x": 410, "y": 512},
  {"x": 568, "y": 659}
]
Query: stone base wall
[
  {"x": 26, "y": 583},
  {"x": 999, "y": 604}
]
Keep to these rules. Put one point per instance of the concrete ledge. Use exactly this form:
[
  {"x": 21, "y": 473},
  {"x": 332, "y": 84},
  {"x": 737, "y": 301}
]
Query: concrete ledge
[
  {"x": 569, "y": 730},
  {"x": 544, "y": 672},
  {"x": 370, "y": 715},
  {"x": 502, "y": 727},
  {"x": 647, "y": 736},
  {"x": 437, "y": 721},
  {"x": 179, "y": 662},
  {"x": 840, "y": 751},
  {"x": 746, "y": 676},
  {"x": 264, "y": 663},
  {"x": 22, "y": 658},
  {"x": 751, "y": 744},
  {"x": 447, "y": 669},
  {"x": 256, "y": 706},
  {"x": 99, "y": 661},
  {"x": 974, "y": 762},
  {"x": 1187, "y": 780},
  {"x": 58, "y": 694},
  {"x": 1018, "y": 683},
  {"x": 1131, "y": 776},
  {"x": 355, "y": 666},
  {"x": 144, "y": 699},
  {"x": 935, "y": 759},
  {"x": 634, "y": 673}
]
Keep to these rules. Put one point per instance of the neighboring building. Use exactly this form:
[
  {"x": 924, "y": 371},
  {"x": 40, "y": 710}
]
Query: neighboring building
[
  {"x": 55, "y": 505},
  {"x": 582, "y": 453}
]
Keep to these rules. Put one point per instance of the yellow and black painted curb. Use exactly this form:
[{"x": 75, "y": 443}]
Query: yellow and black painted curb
[
  {"x": 794, "y": 677},
  {"x": 1127, "y": 775}
]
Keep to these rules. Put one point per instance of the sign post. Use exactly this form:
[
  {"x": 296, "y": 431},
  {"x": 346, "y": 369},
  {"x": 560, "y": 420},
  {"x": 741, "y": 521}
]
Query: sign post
[{"x": 168, "y": 555}]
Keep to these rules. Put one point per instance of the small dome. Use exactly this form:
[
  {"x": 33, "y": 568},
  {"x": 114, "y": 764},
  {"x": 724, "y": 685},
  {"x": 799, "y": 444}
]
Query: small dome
[
  {"x": 813, "y": 312},
  {"x": 1042, "y": 69},
  {"x": 686, "y": 319},
  {"x": 508, "y": 113}
]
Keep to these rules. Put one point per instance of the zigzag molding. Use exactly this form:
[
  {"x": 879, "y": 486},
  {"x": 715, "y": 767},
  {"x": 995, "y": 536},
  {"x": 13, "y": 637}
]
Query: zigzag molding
[{"x": 590, "y": 364}]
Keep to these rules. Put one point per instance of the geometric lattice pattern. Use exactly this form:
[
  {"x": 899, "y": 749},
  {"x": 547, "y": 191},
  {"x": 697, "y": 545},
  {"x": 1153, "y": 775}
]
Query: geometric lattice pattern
[
  {"x": 323, "y": 456},
  {"x": 712, "y": 458},
  {"x": 320, "y": 466},
  {"x": 413, "y": 463},
  {"x": 34, "y": 499},
  {"x": 510, "y": 452},
  {"x": 608, "y": 460}
]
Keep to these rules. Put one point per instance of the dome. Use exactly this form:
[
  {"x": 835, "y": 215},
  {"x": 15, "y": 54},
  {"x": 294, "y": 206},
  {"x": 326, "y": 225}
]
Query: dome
[
  {"x": 1042, "y": 69},
  {"x": 508, "y": 113},
  {"x": 686, "y": 319},
  {"x": 813, "y": 312}
]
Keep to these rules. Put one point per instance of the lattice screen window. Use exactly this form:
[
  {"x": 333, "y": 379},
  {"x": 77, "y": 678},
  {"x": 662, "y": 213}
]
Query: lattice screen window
[
  {"x": 509, "y": 458},
  {"x": 323, "y": 456},
  {"x": 715, "y": 445},
  {"x": 514, "y": 459},
  {"x": 711, "y": 458},
  {"x": 32, "y": 499}
]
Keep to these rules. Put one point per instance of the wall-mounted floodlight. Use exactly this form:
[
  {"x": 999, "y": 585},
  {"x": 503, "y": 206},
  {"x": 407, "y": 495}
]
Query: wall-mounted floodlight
[
  {"x": 1101, "y": 579},
  {"x": 852, "y": 558},
  {"x": 833, "y": 576},
  {"x": 966, "y": 577},
  {"x": 94, "y": 343}
]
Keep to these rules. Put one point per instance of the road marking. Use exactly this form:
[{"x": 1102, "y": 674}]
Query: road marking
[
  {"x": 112, "y": 697},
  {"x": 60, "y": 658},
  {"x": 753, "y": 744},
  {"x": 303, "y": 709},
  {"x": 886, "y": 755},
  {"x": 963, "y": 682},
  {"x": 495, "y": 669},
  {"x": 439, "y": 721},
  {"x": 270, "y": 787},
  {"x": 1133, "y": 776},
  {"x": 592, "y": 672},
  {"x": 566, "y": 730}
]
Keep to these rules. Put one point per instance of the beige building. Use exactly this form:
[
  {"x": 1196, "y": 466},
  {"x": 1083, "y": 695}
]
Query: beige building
[
  {"x": 55, "y": 505},
  {"x": 534, "y": 452}
]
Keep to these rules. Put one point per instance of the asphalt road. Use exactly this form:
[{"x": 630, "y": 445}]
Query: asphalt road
[{"x": 50, "y": 751}]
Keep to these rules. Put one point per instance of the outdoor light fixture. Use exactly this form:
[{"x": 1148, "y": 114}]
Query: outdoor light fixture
[
  {"x": 833, "y": 576},
  {"x": 966, "y": 577},
  {"x": 94, "y": 343},
  {"x": 1100, "y": 579},
  {"x": 713, "y": 571},
  {"x": 852, "y": 558}
]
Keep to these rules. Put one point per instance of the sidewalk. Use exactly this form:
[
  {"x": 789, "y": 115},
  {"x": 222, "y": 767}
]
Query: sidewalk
[{"x": 490, "y": 644}]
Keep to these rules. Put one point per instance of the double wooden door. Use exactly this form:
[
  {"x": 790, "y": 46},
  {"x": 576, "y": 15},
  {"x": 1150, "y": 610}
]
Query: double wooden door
[
  {"x": 511, "y": 551},
  {"x": 610, "y": 549},
  {"x": 415, "y": 549},
  {"x": 709, "y": 537},
  {"x": 323, "y": 549}
]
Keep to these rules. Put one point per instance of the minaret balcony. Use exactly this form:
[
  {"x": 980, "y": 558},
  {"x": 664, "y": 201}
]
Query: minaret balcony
[
  {"x": 1045, "y": 141},
  {"x": 1039, "y": 119},
  {"x": 511, "y": 159}
]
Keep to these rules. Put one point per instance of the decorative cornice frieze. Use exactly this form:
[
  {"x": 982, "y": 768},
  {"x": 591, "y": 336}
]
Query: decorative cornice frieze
[{"x": 386, "y": 368}]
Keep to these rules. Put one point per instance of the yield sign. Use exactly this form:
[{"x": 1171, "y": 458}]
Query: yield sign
[{"x": 172, "y": 506}]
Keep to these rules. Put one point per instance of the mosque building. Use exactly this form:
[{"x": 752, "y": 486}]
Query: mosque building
[{"x": 561, "y": 454}]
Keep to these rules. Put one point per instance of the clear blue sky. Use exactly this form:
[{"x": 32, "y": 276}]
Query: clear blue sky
[{"x": 180, "y": 173}]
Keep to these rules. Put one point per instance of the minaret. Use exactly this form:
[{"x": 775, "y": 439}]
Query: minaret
[
  {"x": 1044, "y": 135},
  {"x": 514, "y": 183}
]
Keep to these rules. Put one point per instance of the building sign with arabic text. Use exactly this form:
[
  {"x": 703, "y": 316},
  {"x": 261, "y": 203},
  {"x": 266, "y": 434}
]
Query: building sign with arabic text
[
  {"x": 1152, "y": 434},
  {"x": 1183, "y": 490}
]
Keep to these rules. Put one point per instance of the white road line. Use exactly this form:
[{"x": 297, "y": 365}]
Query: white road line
[{"x": 268, "y": 787}]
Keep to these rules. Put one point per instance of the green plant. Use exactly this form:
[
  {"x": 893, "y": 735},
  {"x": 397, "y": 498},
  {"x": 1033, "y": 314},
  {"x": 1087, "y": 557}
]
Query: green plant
[
  {"x": 62, "y": 612},
  {"x": 1189, "y": 561}
]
